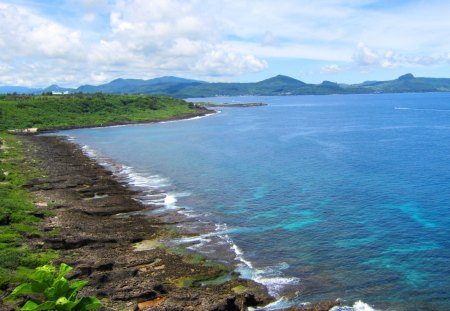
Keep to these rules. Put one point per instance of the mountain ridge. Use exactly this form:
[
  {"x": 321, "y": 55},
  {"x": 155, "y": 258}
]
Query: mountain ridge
[{"x": 277, "y": 85}]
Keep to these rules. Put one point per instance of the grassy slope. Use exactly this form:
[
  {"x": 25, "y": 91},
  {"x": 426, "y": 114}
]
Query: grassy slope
[
  {"x": 18, "y": 215},
  {"x": 26, "y": 111}
]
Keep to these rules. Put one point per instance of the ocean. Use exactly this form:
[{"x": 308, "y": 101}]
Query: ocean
[{"x": 317, "y": 197}]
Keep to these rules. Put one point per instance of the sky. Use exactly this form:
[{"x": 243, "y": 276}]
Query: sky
[{"x": 77, "y": 42}]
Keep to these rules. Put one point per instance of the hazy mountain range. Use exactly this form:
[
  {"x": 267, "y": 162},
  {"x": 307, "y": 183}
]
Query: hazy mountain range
[{"x": 278, "y": 85}]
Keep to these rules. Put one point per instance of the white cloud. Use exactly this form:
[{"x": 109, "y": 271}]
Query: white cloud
[
  {"x": 207, "y": 39},
  {"x": 364, "y": 56},
  {"x": 155, "y": 36},
  {"x": 26, "y": 34},
  {"x": 220, "y": 62},
  {"x": 331, "y": 68}
]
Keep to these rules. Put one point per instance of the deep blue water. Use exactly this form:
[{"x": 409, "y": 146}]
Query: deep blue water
[{"x": 326, "y": 196}]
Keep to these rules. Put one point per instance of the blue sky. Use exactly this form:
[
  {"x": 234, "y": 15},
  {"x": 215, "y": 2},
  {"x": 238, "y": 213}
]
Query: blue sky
[{"x": 75, "y": 42}]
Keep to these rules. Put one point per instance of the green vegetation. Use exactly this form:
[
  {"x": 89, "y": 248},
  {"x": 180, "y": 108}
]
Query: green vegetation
[
  {"x": 54, "y": 292},
  {"x": 59, "y": 111},
  {"x": 18, "y": 216}
]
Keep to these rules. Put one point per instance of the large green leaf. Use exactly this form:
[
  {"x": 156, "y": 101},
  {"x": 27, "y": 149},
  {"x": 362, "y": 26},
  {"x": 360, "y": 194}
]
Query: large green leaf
[
  {"x": 44, "y": 275},
  {"x": 63, "y": 270},
  {"x": 63, "y": 304},
  {"x": 22, "y": 289},
  {"x": 75, "y": 287},
  {"x": 39, "y": 287},
  {"x": 87, "y": 303},
  {"x": 61, "y": 288},
  {"x": 33, "y": 306},
  {"x": 30, "y": 305}
]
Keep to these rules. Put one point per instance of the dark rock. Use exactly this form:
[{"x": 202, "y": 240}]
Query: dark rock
[
  {"x": 105, "y": 267},
  {"x": 160, "y": 289},
  {"x": 135, "y": 295},
  {"x": 66, "y": 244},
  {"x": 228, "y": 305},
  {"x": 37, "y": 214},
  {"x": 250, "y": 300},
  {"x": 84, "y": 270}
]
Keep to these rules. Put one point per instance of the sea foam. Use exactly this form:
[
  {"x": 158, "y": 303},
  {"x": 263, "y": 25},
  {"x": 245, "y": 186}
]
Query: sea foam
[
  {"x": 154, "y": 192},
  {"x": 357, "y": 306}
]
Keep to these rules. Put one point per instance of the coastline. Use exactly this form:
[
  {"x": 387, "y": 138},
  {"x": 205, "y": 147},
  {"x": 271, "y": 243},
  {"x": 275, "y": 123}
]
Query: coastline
[
  {"x": 121, "y": 256},
  {"x": 201, "y": 112},
  {"x": 106, "y": 237}
]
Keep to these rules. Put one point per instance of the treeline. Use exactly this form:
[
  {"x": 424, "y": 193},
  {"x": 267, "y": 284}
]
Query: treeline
[{"x": 59, "y": 111}]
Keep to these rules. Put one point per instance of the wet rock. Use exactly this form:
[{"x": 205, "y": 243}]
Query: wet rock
[
  {"x": 250, "y": 300},
  {"x": 228, "y": 305}
]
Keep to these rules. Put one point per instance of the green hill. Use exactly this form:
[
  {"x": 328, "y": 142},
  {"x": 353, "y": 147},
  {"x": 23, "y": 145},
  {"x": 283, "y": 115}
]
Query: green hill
[
  {"x": 75, "y": 110},
  {"x": 278, "y": 85}
]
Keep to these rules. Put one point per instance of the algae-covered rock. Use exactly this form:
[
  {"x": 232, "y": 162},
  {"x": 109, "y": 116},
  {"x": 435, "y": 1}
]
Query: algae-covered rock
[
  {"x": 147, "y": 245},
  {"x": 239, "y": 289}
]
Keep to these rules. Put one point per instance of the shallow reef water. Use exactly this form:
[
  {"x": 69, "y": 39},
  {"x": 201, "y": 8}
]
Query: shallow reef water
[{"x": 317, "y": 197}]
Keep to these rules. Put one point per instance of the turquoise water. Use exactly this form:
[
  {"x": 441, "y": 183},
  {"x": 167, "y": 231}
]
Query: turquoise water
[{"x": 318, "y": 197}]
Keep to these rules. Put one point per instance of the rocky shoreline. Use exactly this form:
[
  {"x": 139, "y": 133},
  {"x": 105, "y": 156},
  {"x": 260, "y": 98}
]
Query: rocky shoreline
[
  {"x": 120, "y": 256},
  {"x": 102, "y": 234}
]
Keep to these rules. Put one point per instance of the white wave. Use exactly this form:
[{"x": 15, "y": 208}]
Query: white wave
[
  {"x": 88, "y": 151},
  {"x": 281, "y": 303},
  {"x": 149, "y": 182},
  {"x": 184, "y": 240},
  {"x": 272, "y": 277},
  {"x": 422, "y": 109},
  {"x": 193, "y": 118},
  {"x": 357, "y": 306},
  {"x": 170, "y": 200},
  {"x": 190, "y": 213}
]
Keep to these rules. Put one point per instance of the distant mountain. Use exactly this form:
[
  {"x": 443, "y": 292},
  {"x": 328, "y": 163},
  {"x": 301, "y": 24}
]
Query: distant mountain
[
  {"x": 58, "y": 89},
  {"x": 163, "y": 85},
  {"x": 278, "y": 85},
  {"x": 407, "y": 84}
]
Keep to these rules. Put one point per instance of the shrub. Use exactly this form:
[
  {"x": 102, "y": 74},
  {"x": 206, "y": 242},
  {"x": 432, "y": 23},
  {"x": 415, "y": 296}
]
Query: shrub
[{"x": 54, "y": 291}]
